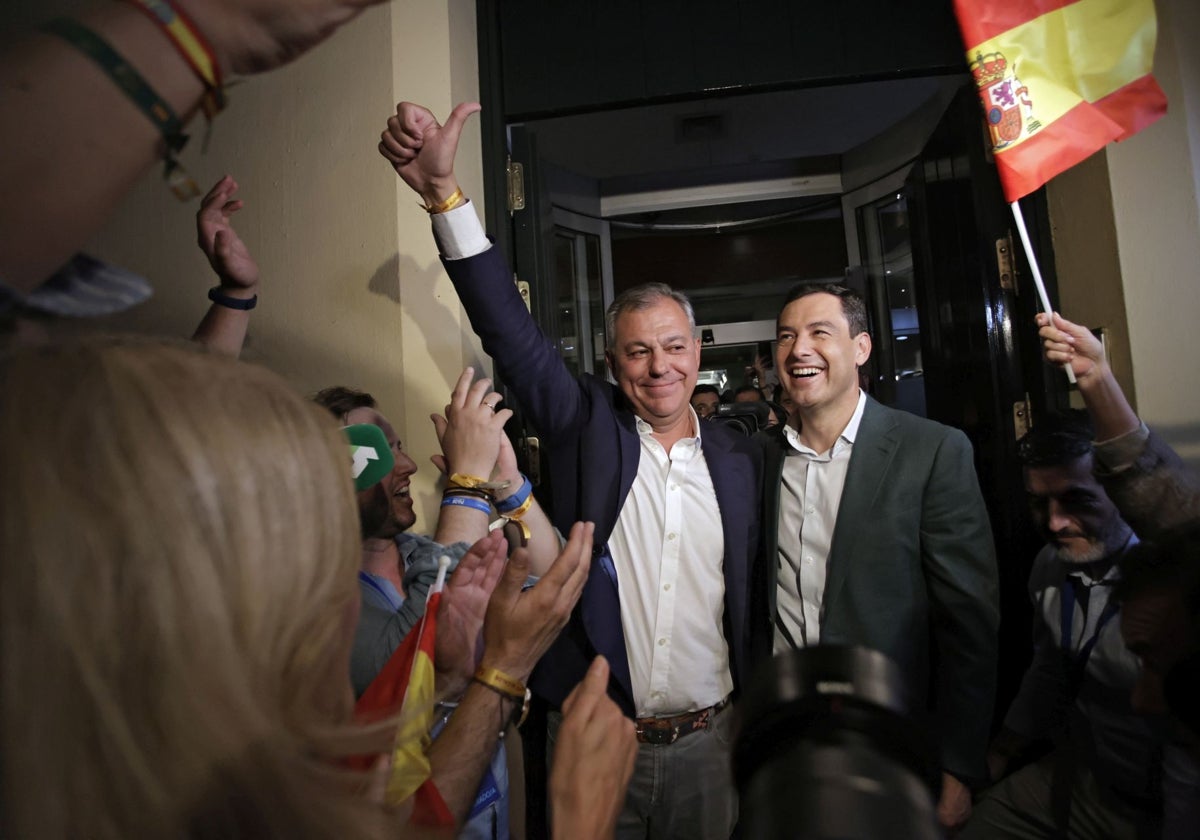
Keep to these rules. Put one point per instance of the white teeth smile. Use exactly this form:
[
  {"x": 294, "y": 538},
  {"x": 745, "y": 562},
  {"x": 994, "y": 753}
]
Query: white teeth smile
[
  {"x": 805, "y": 371},
  {"x": 401, "y": 493}
]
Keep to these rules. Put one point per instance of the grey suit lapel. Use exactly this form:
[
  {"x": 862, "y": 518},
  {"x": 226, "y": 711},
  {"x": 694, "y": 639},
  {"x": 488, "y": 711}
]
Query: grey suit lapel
[{"x": 874, "y": 450}]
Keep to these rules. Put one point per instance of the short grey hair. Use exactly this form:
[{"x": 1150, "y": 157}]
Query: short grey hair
[{"x": 643, "y": 297}]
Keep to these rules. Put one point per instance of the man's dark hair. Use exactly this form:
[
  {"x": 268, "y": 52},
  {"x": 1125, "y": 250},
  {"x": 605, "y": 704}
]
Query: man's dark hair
[
  {"x": 706, "y": 389},
  {"x": 749, "y": 389},
  {"x": 853, "y": 305},
  {"x": 1057, "y": 440},
  {"x": 340, "y": 401}
]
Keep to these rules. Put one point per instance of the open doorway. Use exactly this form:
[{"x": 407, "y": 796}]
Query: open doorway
[{"x": 884, "y": 185}]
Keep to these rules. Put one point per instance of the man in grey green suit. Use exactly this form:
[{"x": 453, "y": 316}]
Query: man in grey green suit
[{"x": 881, "y": 536}]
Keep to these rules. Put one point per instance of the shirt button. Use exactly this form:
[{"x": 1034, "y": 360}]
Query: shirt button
[
  {"x": 674, "y": 486},
  {"x": 666, "y": 587},
  {"x": 808, "y": 559},
  {"x": 662, "y": 642},
  {"x": 671, "y": 535},
  {"x": 809, "y": 509}
]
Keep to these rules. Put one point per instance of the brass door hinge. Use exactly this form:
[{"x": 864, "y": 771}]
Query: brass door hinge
[
  {"x": 1006, "y": 266},
  {"x": 516, "y": 186},
  {"x": 1022, "y": 417},
  {"x": 524, "y": 291}
]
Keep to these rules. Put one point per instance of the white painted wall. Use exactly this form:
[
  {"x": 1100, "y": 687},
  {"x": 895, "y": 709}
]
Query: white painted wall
[{"x": 1155, "y": 179}]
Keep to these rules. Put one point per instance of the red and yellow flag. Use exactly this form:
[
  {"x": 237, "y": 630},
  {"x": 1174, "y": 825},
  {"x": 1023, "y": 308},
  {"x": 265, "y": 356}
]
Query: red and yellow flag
[
  {"x": 1059, "y": 80},
  {"x": 406, "y": 685}
]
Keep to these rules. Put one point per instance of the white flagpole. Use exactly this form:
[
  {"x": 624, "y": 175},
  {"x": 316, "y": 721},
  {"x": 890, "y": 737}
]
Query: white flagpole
[{"x": 1037, "y": 272}]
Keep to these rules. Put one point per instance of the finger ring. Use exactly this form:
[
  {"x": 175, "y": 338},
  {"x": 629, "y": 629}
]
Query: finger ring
[{"x": 492, "y": 406}]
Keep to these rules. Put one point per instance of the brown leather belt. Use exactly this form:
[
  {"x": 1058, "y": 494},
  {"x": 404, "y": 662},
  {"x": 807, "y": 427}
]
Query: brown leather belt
[{"x": 668, "y": 730}]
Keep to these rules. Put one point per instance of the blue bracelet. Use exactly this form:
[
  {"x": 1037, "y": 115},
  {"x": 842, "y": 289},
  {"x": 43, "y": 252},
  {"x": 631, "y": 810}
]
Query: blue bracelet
[
  {"x": 516, "y": 499},
  {"x": 466, "y": 501}
]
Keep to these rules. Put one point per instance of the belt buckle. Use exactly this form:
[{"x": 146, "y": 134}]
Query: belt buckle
[{"x": 658, "y": 737}]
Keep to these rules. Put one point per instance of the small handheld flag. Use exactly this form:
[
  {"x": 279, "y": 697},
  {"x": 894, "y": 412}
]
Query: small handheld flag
[
  {"x": 406, "y": 685},
  {"x": 370, "y": 456}
]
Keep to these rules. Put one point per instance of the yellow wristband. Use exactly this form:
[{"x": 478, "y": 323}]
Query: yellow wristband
[
  {"x": 515, "y": 516},
  {"x": 499, "y": 681},
  {"x": 456, "y": 199},
  {"x": 474, "y": 482}
]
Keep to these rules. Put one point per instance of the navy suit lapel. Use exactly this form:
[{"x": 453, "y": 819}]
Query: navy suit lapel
[
  {"x": 600, "y": 604},
  {"x": 874, "y": 450}
]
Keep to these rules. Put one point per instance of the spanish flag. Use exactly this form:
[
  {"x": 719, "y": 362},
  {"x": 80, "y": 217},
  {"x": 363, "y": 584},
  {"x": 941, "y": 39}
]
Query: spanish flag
[
  {"x": 406, "y": 686},
  {"x": 1059, "y": 80}
]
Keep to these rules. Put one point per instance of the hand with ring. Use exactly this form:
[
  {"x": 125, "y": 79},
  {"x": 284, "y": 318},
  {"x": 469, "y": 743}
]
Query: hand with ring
[{"x": 471, "y": 431}]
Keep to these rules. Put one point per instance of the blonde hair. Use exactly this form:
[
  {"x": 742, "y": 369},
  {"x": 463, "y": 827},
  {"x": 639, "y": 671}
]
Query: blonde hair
[{"x": 178, "y": 540}]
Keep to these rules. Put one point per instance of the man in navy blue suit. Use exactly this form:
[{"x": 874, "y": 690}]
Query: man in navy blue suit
[{"x": 674, "y": 501}]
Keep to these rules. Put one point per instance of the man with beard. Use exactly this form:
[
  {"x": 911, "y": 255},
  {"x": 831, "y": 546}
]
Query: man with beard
[
  {"x": 1104, "y": 774},
  {"x": 399, "y": 567}
]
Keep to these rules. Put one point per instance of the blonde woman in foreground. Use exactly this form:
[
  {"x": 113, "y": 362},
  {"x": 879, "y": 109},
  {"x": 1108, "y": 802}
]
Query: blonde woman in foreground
[{"x": 178, "y": 549}]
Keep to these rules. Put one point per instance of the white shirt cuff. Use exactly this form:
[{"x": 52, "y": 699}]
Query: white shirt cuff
[{"x": 459, "y": 233}]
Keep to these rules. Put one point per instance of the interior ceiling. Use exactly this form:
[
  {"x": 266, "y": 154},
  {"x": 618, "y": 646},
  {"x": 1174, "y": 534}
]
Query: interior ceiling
[{"x": 745, "y": 137}]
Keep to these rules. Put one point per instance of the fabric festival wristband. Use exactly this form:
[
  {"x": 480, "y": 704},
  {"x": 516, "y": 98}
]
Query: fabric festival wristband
[
  {"x": 192, "y": 46},
  {"x": 466, "y": 501},
  {"x": 516, "y": 499},
  {"x": 474, "y": 482},
  {"x": 135, "y": 88},
  {"x": 244, "y": 304},
  {"x": 515, "y": 517},
  {"x": 123, "y": 75},
  {"x": 496, "y": 679},
  {"x": 455, "y": 199}
]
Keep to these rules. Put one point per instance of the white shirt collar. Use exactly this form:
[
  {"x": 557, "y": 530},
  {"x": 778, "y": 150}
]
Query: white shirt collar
[
  {"x": 644, "y": 429},
  {"x": 848, "y": 434}
]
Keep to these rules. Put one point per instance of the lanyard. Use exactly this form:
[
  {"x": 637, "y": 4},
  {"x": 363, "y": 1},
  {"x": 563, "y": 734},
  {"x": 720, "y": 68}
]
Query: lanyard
[
  {"x": 374, "y": 584},
  {"x": 1078, "y": 661}
]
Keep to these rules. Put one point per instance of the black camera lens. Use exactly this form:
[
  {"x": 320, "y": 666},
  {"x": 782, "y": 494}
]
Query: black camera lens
[
  {"x": 826, "y": 748},
  {"x": 745, "y": 417}
]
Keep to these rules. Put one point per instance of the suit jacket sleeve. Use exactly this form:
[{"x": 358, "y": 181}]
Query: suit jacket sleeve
[
  {"x": 527, "y": 359},
  {"x": 1148, "y": 482},
  {"x": 958, "y": 556}
]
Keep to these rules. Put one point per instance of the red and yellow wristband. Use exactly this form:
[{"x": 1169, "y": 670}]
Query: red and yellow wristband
[{"x": 193, "y": 46}]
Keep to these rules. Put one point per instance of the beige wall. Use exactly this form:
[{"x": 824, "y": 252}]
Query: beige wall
[
  {"x": 1155, "y": 180},
  {"x": 1087, "y": 262},
  {"x": 352, "y": 291}
]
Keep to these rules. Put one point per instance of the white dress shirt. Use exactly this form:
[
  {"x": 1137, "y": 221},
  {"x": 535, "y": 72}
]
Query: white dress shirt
[
  {"x": 667, "y": 546},
  {"x": 808, "y": 507},
  {"x": 668, "y": 549}
]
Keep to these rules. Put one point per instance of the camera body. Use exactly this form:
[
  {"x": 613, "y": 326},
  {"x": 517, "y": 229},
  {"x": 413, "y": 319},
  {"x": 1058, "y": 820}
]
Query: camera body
[
  {"x": 826, "y": 748},
  {"x": 744, "y": 417}
]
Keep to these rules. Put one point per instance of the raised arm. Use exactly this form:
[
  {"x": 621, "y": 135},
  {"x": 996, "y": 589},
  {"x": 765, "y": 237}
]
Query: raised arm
[
  {"x": 1151, "y": 486},
  {"x": 422, "y": 152},
  {"x": 1065, "y": 343},
  {"x": 519, "y": 627},
  {"x": 224, "y": 326},
  {"x": 49, "y": 89}
]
